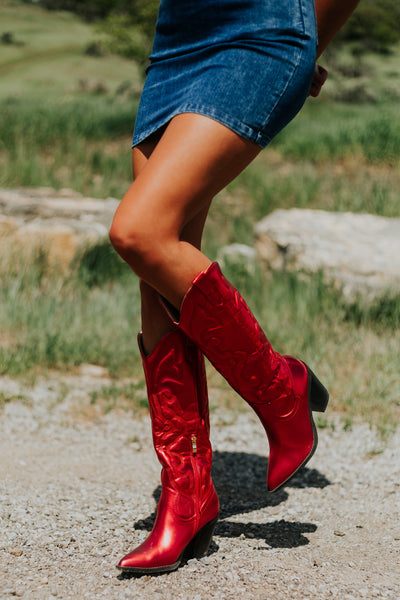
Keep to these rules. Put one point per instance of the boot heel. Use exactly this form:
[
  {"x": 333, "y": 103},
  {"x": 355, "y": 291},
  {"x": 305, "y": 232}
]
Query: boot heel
[
  {"x": 200, "y": 544},
  {"x": 318, "y": 395}
]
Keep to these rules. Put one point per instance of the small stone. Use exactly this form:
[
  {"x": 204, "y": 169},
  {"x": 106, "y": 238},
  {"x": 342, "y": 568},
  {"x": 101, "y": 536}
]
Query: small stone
[
  {"x": 93, "y": 370},
  {"x": 317, "y": 563},
  {"x": 339, "y": 533},
  {"x": 16, "y": 552}
]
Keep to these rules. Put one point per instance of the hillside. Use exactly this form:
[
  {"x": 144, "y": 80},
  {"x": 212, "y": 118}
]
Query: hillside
[{"x": 43, "y": 52}]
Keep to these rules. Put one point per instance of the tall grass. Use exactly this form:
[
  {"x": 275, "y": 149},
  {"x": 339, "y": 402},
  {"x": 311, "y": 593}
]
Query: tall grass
[
  {"x": 83, "y": 144},
  {"x": 93, "y": 315},
  {"x": 349, "y": 184},
  {"x": 332, "y": 156},
  {"x": 49, "y": 321},
  {"x": 332, "y": 130}
]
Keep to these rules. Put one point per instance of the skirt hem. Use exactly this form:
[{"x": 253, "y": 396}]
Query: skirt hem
[{"x": 243, "y": 130}]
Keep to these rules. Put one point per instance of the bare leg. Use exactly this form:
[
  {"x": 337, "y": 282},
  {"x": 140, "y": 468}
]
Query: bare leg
[
  {"x": 155, "y": 323},
  {"x": 178, "y": 399},
  {"x": 195, "y": 158}
]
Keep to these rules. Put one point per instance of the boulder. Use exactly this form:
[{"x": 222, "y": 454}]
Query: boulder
[
  {"x": 358, "y": 253},
  {"x": 58, "y": 222},
  {"x": 238, "y": 254}
]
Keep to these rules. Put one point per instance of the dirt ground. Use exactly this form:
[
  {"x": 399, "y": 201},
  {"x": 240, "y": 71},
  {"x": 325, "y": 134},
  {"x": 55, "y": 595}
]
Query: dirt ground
[{"x": 78, "y": 489}]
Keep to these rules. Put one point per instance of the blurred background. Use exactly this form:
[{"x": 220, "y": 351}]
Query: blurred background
[{"x": 71, "y": 73}]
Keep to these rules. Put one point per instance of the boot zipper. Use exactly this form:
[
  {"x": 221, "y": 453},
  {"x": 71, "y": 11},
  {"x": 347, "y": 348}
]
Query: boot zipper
[{"x": 196, "y": 475}]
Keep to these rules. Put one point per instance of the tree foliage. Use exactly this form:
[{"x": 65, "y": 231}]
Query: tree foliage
[
  {"x": 375, "y": 25},
  {"x": 128, "y": 25},
  {"x": 143, "y": 11}
]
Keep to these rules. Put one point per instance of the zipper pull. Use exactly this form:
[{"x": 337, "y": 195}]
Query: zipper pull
[{"x": 194, "y": 445}]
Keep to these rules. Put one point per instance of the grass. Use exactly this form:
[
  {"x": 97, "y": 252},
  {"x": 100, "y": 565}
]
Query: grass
[
  {"x": 330, "y": 131},
  {"x": 66, "y": 121},
  {"x": 47, "y": 56},
  {"x": 127, "y": 396},
  {"x": 49, "y": 322},
  {"x": 82, "y": 144},
  {"x": 93, "y": 316}
]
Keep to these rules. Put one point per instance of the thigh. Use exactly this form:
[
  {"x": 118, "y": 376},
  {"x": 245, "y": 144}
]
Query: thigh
[
  {"x": 192, "y": 232},
  {"x": 194, "y": 159}
]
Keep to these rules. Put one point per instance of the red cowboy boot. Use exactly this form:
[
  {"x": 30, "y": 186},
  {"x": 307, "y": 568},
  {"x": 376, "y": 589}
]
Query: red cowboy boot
[
  {"x": 282, "y": 390},
  {"x": 188, "y": 506}
]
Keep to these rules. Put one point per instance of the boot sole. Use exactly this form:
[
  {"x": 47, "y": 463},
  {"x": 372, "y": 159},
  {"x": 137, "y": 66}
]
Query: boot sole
[{"x": 196, "y": 548}]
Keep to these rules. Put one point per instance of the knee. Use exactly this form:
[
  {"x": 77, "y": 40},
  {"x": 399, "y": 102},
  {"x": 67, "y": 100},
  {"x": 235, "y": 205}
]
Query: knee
[
  {"x": 136, "y": 245},
  {"x": 128, "y": 240},
  {"x": 123, "y": 236}
]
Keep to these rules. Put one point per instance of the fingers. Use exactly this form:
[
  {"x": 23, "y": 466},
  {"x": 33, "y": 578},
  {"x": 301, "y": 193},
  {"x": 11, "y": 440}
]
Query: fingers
[{"x": 320, "y": 76}]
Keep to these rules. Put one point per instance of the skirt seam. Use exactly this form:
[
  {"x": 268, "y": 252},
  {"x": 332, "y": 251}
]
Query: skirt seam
[{"x": 283, "y": 91}]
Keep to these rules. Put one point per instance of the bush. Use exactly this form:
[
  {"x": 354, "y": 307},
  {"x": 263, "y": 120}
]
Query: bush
[
  {"x": 125, "y": 38},
  {"x": 375, "y": 25}
]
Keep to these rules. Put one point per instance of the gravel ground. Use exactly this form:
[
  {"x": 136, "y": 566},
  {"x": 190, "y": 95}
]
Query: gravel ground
[{"x": 78, "y": 489}]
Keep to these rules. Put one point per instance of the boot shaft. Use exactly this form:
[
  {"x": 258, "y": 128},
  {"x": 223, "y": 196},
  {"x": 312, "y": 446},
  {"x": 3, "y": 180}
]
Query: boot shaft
[
  {"x": 178, "y": 400},
  {"x": 217, "y": 318}
]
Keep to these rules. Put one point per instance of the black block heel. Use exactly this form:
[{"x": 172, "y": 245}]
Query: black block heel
[
  {"x": 200, "y": 544},
  {"x": 318, "y": 395}
]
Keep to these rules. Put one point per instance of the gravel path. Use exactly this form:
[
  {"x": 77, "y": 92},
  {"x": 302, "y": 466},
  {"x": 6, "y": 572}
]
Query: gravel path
[{"x": 78, "y": 490}]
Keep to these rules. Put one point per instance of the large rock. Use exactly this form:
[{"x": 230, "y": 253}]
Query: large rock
[
  {"x": 359, "y": 253},
  {"x": 59, "y": 222}
]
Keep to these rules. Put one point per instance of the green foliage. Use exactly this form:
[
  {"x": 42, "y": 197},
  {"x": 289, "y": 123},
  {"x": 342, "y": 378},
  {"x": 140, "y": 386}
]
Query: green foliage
[
  {"x": 142, "y": 12},
  {"x": 126, "y": 38},
  {"x": 127, "y": 24},
  {"x": 89, "y": 9},
  {"x": 375, "y": 25},
  {"x": 98, "y": 264}
]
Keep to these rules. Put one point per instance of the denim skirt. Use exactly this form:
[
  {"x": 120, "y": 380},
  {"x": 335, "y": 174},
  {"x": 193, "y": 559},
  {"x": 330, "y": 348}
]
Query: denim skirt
[{"x": 245, "y": 63}]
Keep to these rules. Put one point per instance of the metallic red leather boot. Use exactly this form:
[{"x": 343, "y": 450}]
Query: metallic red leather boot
[
  {"x": 188, "y": 506},
  {"x": 282, "y": 390}
]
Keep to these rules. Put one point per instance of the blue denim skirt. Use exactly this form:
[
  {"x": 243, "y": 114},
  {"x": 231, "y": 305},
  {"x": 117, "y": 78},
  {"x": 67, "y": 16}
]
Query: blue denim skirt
[{"x": 245, "y": 63}]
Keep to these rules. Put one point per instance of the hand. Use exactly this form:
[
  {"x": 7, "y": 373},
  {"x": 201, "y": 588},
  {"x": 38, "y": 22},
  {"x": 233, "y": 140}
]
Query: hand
[{"x": 320, "y": 76}]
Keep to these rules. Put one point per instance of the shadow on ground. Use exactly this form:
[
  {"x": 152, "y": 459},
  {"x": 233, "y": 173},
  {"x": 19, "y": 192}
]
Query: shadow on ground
[{"x": 240, "y": 481}]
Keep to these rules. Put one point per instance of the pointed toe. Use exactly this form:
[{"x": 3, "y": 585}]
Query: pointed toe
[
  {"x": 124, "y": 563},
  {"x": 188, "y": 506}
]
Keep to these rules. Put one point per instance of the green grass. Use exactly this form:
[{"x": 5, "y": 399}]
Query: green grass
[
  {"x": 48, "y": 322},
  {"x": 66, "y": 117},
  {"x": 93, "y": 316},
  {"x": 47, "y": 56},
  {"x": 329, "y": 131},
  {"x": 82, "y": 144}
]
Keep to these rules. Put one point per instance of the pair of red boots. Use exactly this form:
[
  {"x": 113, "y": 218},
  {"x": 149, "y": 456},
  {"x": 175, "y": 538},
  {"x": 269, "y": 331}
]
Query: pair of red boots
[{"x": 283, "y": 391}]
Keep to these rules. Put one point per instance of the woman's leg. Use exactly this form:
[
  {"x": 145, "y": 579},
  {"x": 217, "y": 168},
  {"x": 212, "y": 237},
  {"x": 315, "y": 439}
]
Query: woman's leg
[
  {"x": 195, "y": 158},
  {"x": 155, "y": 322},
  {"x": 178, "y": 400}
]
